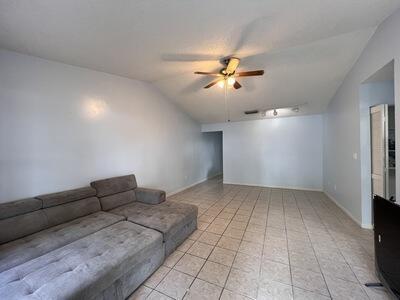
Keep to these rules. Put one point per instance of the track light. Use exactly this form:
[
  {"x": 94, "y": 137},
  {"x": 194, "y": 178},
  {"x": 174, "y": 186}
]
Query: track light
[{"x": 284, "y": 111}]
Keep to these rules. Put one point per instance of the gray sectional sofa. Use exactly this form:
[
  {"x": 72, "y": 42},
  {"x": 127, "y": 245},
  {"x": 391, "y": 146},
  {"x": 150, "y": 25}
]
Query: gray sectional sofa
[{"x": 98, "y": 242}]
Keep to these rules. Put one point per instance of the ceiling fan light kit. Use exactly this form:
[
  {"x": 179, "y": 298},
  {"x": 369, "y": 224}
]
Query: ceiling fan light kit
[{"x": 230, "y": 81}]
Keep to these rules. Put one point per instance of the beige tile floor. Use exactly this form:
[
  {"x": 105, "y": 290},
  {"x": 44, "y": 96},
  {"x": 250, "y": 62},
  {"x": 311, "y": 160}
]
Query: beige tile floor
[{"x": 262, "y": 243}]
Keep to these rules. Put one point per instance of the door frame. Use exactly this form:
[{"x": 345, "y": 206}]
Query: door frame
[{"x": 383, "y": 108}]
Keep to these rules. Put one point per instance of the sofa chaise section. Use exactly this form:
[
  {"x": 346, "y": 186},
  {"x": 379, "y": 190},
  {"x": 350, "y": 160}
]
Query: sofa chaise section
[
  {"x": 108, "y": 264},
  {"x": 147, "y": 207},
  {"x": 73, "y": 245},
  {"x": 30, "y": 228}
]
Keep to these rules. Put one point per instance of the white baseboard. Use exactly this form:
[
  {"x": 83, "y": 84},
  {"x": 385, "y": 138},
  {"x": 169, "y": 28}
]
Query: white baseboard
[
  {"x": 192, "y": 185},
  {"x": 363, "y": 225},
  {"x": 186, "y": 187},
  {"x": 276, "y": 187},
  {"x": 367, "y": 226}
]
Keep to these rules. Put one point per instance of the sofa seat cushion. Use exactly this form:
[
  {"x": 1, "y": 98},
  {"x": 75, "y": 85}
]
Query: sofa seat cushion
[
  {"x": 168, "y": 217},
  {"x": 22, "y": 250},
  {"x": 84, "y": 268},
  {"x": 182, "y": 208}
]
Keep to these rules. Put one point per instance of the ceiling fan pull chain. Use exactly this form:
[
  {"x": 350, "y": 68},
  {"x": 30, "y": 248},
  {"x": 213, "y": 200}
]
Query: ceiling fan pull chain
[{"x": 227, "y": 113}]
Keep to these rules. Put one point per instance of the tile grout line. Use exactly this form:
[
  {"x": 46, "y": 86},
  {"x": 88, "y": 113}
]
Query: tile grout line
[
  {"x": 241, "y": 240},
  {"x": 287, "y": 245},
  {"x": 312, "y": 245},
  {"x": 185, "y": 252},
  {"x": 345, "y": 260},
  {"x": 196, "y": 277},
  {"x": 264, "y": 244},
  {"x": 312, "y": 209},
  {"x": 236, "y": 252}
]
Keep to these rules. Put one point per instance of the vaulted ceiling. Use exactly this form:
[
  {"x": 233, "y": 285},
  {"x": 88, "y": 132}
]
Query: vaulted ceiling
[{"x": 306, "y": 47}]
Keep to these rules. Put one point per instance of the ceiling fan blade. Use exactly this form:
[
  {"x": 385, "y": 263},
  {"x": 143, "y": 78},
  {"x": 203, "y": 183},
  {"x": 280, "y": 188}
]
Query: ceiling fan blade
[
  {"x": 237, "y": 85},
  {"x": 250, "y": 73},
  {"x": 208, "y": 73},
  {"x": 232, "y": 65},
  {"x": 212, "y": 83}
]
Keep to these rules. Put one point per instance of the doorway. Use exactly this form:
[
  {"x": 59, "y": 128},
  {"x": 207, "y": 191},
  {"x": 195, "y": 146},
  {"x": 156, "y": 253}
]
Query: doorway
[
  {"x": 383, "y": 159},
  {"x": 376, "y": 174},
  {"x": 214, "y": 152}
]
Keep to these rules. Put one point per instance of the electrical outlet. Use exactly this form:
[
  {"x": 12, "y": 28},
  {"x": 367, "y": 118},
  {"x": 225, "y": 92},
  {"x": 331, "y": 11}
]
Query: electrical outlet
[
  {"x": 334, "y": 187},
  {"x": 355, "y": 155}
]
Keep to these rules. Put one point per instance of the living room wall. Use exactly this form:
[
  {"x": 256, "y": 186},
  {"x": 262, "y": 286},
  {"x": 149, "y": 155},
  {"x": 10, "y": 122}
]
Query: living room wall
[
  {"x": 62, "y": 126},
  {"x": 342, "y": 169},
  {"x": 280, "y": 152}
]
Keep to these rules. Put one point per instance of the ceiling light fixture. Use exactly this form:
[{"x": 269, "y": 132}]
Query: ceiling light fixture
[
  {"x": 274, "y": 111},
  {"x": 231, "y": 80},
  {"x": 229, "y": 74}
]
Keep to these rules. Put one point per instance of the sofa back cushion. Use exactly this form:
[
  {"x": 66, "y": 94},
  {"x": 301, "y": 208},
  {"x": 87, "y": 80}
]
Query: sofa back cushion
[
  {"x": 116, "y": 191},
  {"x": 114, "y": 185},
  {"x": 116, "y": 200},
  {"x": 69, "y": 205},
  {"x": 70, "y": 211},
  {"x": 20, "y": 218},
  {"x": 19, "y": 226},
  {"x": 27, "y": 216},
  {"x": 19, "y": 207},
  {"x": 54, "y": 199}
]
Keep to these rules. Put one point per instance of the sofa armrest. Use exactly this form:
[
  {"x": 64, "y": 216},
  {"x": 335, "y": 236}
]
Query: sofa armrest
[{"x": 149, "y": 196}]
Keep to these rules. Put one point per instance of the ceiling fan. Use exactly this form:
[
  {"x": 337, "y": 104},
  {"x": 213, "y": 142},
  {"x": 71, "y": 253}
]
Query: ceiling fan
[{"x": 227, "y": 76}]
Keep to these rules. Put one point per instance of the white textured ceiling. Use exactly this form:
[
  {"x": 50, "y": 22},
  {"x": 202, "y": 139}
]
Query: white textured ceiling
[{"x": 305, "y": 46}]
